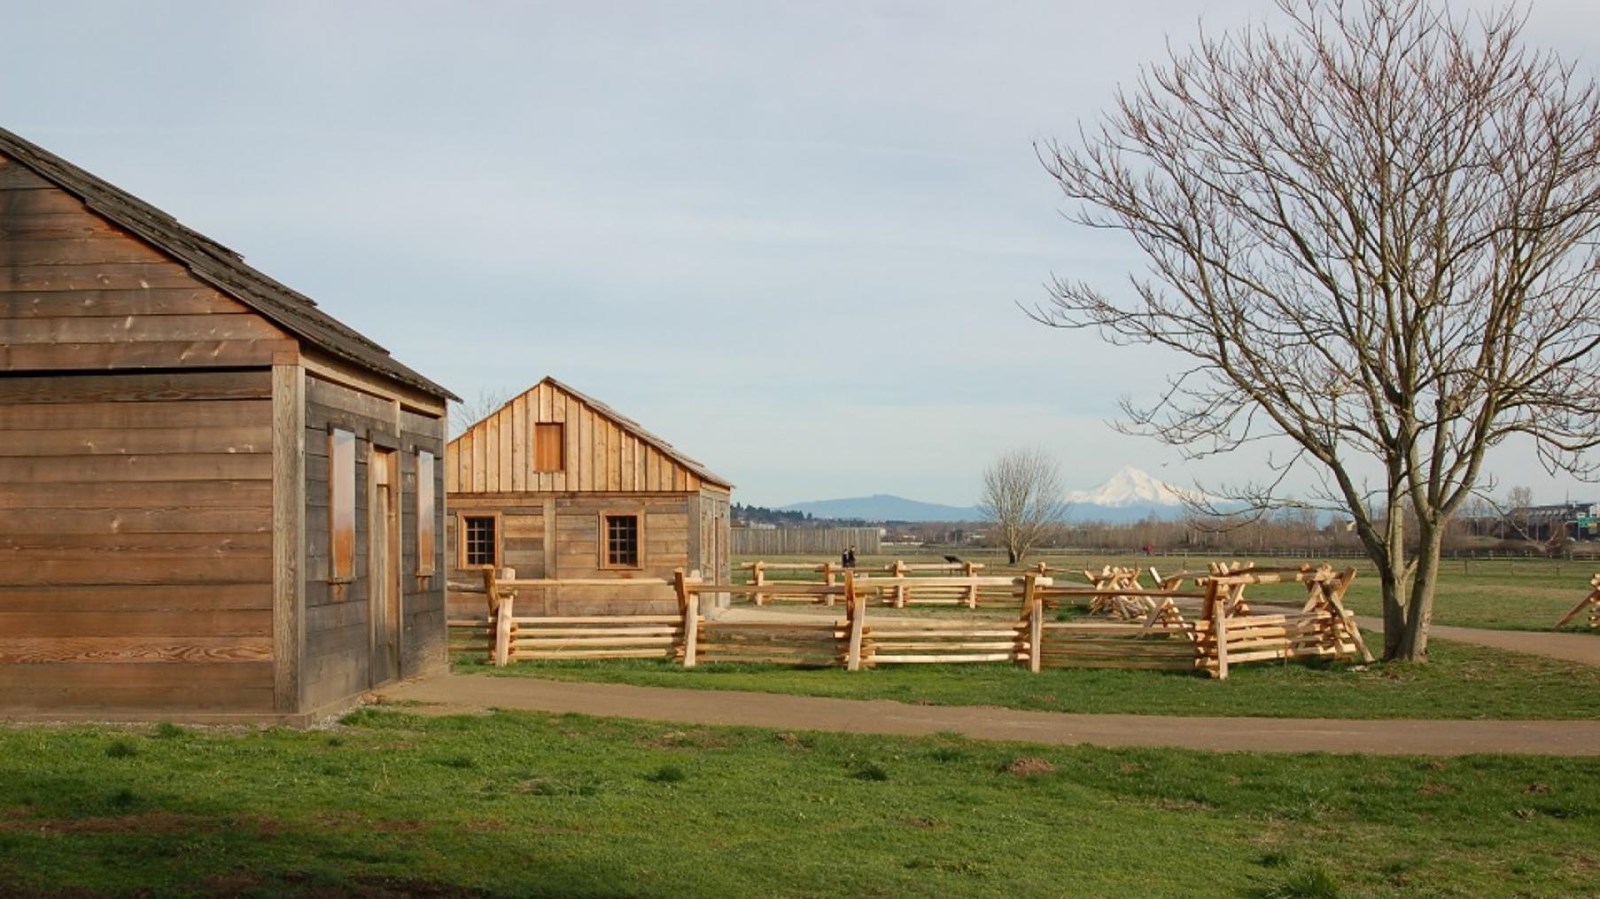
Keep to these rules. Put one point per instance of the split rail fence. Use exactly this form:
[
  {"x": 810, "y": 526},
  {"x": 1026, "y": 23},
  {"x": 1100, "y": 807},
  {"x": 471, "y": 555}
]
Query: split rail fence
[
  {"x": 1208, "y": 628},
  {"x": 1591, "y": 603}
]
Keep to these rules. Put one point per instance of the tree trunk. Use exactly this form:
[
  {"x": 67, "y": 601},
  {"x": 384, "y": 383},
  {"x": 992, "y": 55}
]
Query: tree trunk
[
  {"x": 1413, "y": 643},
  {"x": 1390, "y": 558}
]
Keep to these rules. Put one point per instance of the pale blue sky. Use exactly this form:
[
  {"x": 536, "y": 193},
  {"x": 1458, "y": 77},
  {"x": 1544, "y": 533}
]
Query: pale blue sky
[{"x": 788, "y": 237}]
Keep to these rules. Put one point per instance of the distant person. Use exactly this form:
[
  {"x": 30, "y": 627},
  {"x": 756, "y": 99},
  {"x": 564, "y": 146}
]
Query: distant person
[{"x": 848, "y": 558}]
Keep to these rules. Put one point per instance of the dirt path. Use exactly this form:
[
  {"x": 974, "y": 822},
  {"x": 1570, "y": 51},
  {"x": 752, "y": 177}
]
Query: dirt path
[
  {"x": 453, "y": 694},
  {"x": 1581, "y": 648}
]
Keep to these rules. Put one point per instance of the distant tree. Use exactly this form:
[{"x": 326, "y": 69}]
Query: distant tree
[
  {"x": 1023, "y": 499},
  {"x": 1372, "y": 235},
  {"x": 467, "y": 413},
  {"x": 1519, "y": 502}
]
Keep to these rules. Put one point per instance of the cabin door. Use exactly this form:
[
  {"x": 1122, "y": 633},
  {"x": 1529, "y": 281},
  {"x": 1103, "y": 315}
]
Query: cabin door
[{"x": 384, "y": 560}]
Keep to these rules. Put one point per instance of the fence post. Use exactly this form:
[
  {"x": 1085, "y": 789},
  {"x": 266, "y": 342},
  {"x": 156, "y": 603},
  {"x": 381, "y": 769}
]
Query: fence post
[
  {"x": 504, "y": 630},
  {"x": 857, "y": 617},
  {"x": 900, "y": 590},
  {"x": 827, "y": 581},
  {"x": 968, "y": 569},
  {"x": 758, "y": 572},
  {"x": 1035, "y": 607},
  {"x": 689, "y": 608},
  {"x": 1219, "y": 626}
]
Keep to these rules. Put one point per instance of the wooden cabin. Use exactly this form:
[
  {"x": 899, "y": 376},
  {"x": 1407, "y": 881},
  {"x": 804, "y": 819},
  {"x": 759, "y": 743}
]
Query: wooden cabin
[
  {"x": 557, "y": 485},
  {"x": 216, "y": 501}
]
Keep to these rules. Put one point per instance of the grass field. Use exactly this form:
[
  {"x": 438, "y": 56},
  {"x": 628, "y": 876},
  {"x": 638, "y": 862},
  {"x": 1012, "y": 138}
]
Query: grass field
[
  {"x": 519, "y": 804},
  {"x": 1461, "y": 682},
  {"x": 532, "y": 805},
  {"x": 1506, "y": 594}
]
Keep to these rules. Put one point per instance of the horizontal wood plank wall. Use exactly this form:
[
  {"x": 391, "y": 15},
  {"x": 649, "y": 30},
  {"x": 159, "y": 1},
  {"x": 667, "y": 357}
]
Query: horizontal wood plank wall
[
  {"x": 144, "y": 581},
  {"x": 78, "y": 294},
  {"x": 338, "y": 623},
  {"x": 497, "y": 454}
]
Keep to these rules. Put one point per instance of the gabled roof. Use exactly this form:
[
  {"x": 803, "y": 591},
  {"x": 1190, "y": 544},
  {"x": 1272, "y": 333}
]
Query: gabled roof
[
  {"x": 633, "y": 427},
  {"x": 215, "y": 264}
]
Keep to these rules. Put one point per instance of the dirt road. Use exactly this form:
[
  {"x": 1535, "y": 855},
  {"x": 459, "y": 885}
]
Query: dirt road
[{"x": 453, "y": 694}]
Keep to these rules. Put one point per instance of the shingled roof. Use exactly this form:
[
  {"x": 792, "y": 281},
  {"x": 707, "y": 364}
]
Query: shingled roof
[{"x": 215, "y": 264}]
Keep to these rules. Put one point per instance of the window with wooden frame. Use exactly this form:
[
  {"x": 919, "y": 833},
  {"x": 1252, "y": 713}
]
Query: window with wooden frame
[
  {"x": 480, "y": 540},
  {"x": 621, "y": 534},
  {"x": 341, "y": 506},
  {"x": 427, "y": 544},
  {"x": 549, "y": 446}
]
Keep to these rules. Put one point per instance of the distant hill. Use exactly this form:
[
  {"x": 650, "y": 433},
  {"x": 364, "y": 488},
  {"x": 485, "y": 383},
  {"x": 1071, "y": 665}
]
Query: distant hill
[
  {"x": 1127, "y": 496},
  {"x": 883, "y": 507}
]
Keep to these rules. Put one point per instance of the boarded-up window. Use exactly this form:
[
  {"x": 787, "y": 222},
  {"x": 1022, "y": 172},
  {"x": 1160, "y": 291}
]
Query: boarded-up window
[
  {"x": 549, "y": 439},
  {"x": 427, "y": 546},
  {"x": 478, "y": 540},
  {"x": 341, "y": 505},
  {"x": 622, "y": 541}
]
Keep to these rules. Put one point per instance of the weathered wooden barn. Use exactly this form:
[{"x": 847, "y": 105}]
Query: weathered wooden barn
[
  {"x": 216, "y": 501},
  {"x": 560, "y": 486}
]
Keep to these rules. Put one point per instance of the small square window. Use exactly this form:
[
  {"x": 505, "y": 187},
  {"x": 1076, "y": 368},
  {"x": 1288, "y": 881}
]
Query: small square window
[
  {"x": 478, "y": 540},
  {"x": 622, "y": 541}
]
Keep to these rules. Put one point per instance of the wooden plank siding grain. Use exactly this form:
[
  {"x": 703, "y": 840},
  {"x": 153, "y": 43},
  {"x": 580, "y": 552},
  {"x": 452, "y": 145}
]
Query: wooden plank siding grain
[
  {"x": 139, "y": 525},
  {"x": 69, "y": 304},
  {"x": 161, "y": 477},
  {"x": 289, "y": 530},
  {"x": 136, "y": 387}
]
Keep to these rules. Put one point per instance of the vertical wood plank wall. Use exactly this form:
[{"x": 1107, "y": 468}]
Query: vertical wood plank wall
[{"x": 497, "y": 454}]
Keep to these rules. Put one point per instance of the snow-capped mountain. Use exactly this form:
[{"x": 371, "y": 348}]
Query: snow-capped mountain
[
  {"x": 1128, "y": 495},
  {"x": 1130, "y": 487}
]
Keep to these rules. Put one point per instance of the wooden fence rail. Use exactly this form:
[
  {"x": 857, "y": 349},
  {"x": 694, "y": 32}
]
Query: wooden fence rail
[
  {"x": 1203, "y": 630},
  {"x": 1590, "y": 603}
]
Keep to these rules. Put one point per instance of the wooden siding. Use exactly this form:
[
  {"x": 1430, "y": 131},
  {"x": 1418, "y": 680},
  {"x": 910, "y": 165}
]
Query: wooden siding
[
  {"x": 136, "y": 534},
  {"x": 600, "y": 455},
  {"x": 79, "y": 294},
  {"x": 338, "y": 621}
]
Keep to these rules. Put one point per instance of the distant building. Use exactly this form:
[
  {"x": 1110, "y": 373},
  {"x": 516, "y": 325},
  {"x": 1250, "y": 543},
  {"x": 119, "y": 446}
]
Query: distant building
[
  {"x": 1542, "y": 524},
  {"x": 558, "y": 485}
]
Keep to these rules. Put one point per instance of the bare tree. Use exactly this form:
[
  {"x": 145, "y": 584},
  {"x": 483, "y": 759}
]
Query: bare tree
[
  {"x": 1519, "y": 503},
  {"x": 467, "y": 413},
  {"x": 1371, "y": 234},
  {"x": 1023, "y": 498}
]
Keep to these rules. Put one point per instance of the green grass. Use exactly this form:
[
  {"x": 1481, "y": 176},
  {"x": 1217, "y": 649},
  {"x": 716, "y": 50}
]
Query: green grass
[
  {"x": 575, "y": 806},
  {"x": 1460, "y": 682}
]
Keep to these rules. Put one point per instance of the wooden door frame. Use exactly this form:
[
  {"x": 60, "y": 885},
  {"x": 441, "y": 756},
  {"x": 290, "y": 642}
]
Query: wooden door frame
[{"x": 383, "y": 476}]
